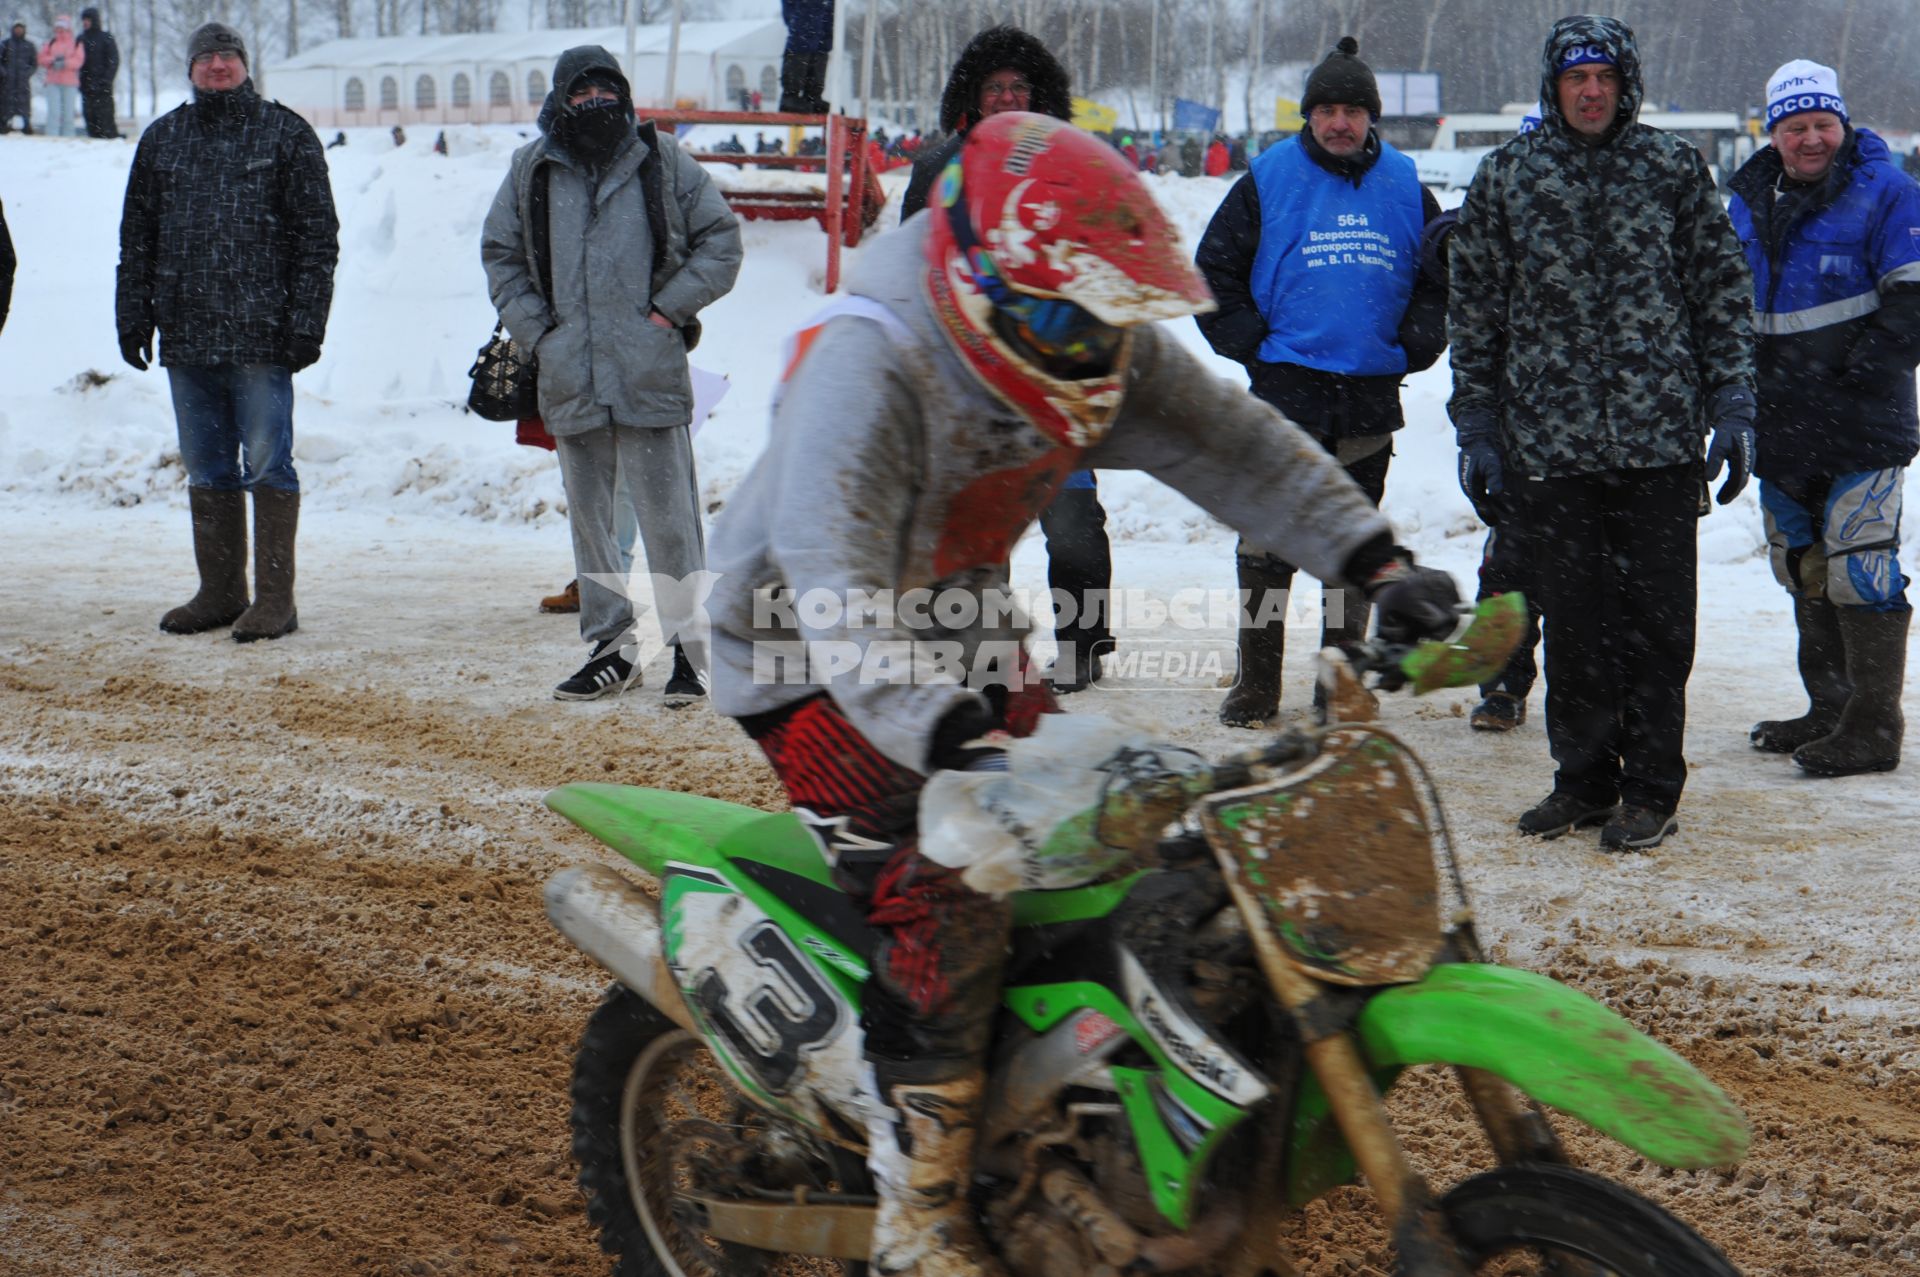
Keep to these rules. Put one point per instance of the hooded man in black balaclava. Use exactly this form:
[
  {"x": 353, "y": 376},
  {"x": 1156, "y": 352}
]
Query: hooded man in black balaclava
[{"x": 605, "y": 242}]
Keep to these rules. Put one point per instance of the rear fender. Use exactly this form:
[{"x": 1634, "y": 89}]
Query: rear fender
[
  {"x": 652, "y": 827},
  {"x": 1563, "y": 1049}
]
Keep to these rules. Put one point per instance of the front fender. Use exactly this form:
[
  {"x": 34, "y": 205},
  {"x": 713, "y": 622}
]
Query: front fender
[{"x": 1563, "y": 1049}]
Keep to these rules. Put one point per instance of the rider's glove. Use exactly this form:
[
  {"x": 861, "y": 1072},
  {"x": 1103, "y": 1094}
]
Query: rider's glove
[
  {"x": 1731, "y": 413},
  {"x": 1414, "y": 602},
  {"x": 957, "y": 746}
]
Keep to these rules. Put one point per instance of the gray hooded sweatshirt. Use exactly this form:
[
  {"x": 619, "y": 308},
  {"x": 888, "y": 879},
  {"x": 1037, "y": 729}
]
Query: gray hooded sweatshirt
[
  {"x": 876, "y": 438},
  {"x": 602, "y": 362}
]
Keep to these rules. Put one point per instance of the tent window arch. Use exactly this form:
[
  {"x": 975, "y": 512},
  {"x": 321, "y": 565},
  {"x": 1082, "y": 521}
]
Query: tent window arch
[
  {"x": 462, "y": 91},
  {"x": 499, "y": 89},
  {"x": 389, "y": 94},
  {"x": 356, "y": 95},
  {"x": 769, "y": 83},
  {"x": 536, "y": 88},
  {"x": 423, "y": 93},
  {"x": 736, "y": 82}
]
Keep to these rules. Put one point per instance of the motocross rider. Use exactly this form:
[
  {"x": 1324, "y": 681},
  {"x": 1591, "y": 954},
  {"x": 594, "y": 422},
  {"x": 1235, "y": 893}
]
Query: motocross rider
[{"x": 990, "y": 347}]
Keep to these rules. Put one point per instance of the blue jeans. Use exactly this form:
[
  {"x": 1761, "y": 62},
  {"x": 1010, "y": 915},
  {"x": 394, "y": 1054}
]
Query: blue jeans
[
  {"x": 236, "y": 426},
  {"x": 60, "y": 100}
]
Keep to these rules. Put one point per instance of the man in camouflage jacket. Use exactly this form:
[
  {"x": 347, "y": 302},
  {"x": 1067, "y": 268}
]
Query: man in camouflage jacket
[{"x": 1599, "y": 317}]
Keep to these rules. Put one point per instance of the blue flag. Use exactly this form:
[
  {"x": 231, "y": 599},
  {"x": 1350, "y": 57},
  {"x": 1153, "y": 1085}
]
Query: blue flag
[{"x": 1192, "y": 117}]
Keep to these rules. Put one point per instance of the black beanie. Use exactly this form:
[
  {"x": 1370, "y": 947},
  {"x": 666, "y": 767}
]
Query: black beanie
[
  {"x": 216, "y": 37},
  {"x": 1342, "y": 80}
]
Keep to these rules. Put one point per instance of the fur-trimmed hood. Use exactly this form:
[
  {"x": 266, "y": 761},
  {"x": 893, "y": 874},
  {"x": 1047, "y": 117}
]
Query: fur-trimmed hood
[{"x": 992, "y": 50}]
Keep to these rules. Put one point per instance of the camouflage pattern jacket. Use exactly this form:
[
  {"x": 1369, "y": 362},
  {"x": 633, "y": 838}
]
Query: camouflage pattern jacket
[{"x": 1600, "y": 301}]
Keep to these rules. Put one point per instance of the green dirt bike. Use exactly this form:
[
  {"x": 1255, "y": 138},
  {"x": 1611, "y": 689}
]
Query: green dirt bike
[{"x": 1186, "y": 1046}]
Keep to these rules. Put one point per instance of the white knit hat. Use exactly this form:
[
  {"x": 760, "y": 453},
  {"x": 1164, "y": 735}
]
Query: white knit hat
[{"x": 1801, "y": 86}]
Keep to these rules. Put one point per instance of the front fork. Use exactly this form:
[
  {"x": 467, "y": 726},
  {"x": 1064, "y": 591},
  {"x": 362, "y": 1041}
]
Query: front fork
[
  {"x": 1517, "y": 1130},
  {"x": 1419, "y": 1231}
]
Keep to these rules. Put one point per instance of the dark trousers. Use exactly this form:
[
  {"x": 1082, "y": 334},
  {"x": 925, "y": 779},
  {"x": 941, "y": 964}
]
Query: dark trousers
[
  {"x": 1505, "y": 566},
  {"x": 1370, "y": 472},
  {"x": 1614, "y": 559},
  {"x": 1080, "y": 565},
  {"x": 98, "y": 110}
]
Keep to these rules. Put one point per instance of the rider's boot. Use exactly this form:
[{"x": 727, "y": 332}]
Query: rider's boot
[
  {"x": 920, "y": 1143},
  {"x": 928, "y": 1019}
]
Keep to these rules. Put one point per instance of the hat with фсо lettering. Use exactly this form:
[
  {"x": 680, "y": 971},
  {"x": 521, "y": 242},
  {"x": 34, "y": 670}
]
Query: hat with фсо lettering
[
  {"x": 1580, "y": 55},
  {"x": 216, "y": 37},
  {"x": 1531, "y": 120},
  {"x": 1801, "y": 86}
]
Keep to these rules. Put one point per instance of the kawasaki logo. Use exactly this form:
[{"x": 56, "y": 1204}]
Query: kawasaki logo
[
  {"x": 1212, "y": 1069},
  {"x": 1186, "y": 1043}
]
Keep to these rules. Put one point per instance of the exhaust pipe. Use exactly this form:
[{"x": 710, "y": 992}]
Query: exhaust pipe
[{"x": 618, "y": 926}]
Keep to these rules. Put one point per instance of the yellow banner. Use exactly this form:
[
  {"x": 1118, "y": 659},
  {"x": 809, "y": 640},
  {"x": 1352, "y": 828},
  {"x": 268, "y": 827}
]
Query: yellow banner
[
  {"x": 1093, "y": 117},
  {"x": 1286, "y": 116}
]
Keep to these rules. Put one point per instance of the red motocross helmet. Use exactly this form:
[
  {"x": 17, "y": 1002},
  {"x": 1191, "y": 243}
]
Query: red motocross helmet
[{"x": 1045, "y": 248}]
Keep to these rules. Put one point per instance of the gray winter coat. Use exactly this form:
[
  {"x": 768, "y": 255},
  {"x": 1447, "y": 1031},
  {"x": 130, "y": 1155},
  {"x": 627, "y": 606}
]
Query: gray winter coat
[
  {"x": 602, "y": 362},
  {"x": 876, "y": 478}
]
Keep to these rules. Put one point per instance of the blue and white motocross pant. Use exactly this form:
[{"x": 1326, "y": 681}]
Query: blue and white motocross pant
[{"x": 1838, "y": 538}]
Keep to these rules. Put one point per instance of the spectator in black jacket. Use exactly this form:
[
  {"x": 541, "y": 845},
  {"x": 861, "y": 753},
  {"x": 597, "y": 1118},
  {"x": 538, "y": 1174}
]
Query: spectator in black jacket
[
  {"x": 18, "y": 61},
  {"x": 227, "y": 246},
  {"x": 1005, "y": 69},
  {"x": 96, "y": 76}
]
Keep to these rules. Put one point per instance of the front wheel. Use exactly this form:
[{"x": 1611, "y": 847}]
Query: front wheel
[{"x": 1536, "y": 1218}]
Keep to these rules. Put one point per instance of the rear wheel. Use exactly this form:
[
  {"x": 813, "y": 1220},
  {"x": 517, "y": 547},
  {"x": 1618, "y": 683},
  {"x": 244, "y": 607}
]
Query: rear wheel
[
  {"x": 1553, "y": 1219},
  {"x": 655, "y": 1116}
]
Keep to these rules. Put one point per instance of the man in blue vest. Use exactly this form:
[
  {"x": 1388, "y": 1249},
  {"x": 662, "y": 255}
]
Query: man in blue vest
[
  {"x": 1831, "y": 230},
  {"x": 1314, "y": 258}
]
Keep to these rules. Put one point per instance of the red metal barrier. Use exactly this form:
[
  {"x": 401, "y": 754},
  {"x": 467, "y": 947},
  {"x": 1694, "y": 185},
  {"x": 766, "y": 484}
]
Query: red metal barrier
[{"x": 852, "y": 200}]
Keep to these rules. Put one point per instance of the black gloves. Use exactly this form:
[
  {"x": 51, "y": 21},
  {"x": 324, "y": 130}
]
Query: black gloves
[
  {"x": 1414, "y": 602},
  {"x": 1731, "y": 414},
  {"x": 1483, "y": 467},
  {"x": 137, "y": 349},
  {"x": 302, "y": 352},
  {"x": 954, "y": 746}
]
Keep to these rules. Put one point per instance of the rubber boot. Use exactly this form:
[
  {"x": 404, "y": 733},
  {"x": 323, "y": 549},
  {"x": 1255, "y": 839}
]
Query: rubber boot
[
  {"x": 1355, "y": 615},
  {"x": 1871, "y": 726},
  {"x": 1255, "y": 698},
  {"x": 793, "y": 79},
  {"x": 220, "y": 552},
  {"x": 920, "y": 1144},
  {"x": 276, "y": 517},
  {"x": 1823, "y": 669}
]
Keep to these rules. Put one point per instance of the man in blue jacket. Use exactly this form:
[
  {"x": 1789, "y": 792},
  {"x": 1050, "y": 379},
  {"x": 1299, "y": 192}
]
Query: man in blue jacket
[
  {"x": 1314, "y": 259},
  {"x": 1831, "y": 229}
]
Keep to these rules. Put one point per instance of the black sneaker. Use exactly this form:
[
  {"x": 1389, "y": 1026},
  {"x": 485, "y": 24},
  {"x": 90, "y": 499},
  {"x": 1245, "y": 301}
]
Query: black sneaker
[
  {"x": 686, "y": 682},
  {"x": 610, "y": 672},
  {"x": 1636, "y": 828},
  {"x": 1499, "y": 712},
  {"x": 1560, "y": 813}
]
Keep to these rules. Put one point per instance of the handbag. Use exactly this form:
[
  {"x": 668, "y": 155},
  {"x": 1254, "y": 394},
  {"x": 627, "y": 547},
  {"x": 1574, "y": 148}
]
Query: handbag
[{"x": 504, "y": 388}]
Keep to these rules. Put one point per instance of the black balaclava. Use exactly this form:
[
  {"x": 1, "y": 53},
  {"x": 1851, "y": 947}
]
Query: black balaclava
[{"x": 593, "y": 131}]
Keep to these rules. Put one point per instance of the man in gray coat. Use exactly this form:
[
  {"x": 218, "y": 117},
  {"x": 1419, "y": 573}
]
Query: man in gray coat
[{"x": 603, "y": 245}]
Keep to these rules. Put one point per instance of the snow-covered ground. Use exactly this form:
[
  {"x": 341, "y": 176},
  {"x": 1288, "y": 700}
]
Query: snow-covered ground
[{"x": 427, "y": 534}]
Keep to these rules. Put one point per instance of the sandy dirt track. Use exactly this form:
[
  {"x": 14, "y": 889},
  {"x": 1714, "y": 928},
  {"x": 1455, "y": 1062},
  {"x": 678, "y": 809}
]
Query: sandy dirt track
[{"x": 279, "y": 997}]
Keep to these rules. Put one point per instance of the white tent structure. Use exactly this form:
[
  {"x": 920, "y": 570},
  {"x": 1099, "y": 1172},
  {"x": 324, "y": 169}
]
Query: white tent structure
[{"x": 499, "y": 77}]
